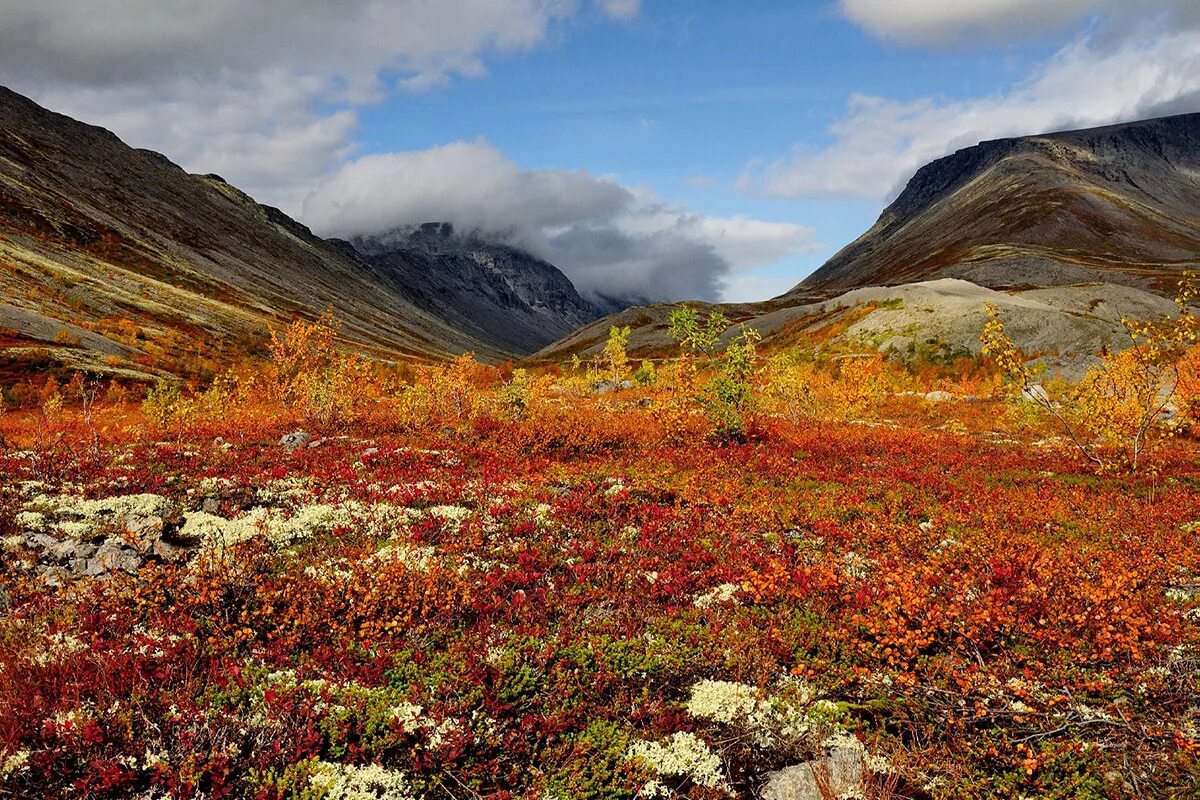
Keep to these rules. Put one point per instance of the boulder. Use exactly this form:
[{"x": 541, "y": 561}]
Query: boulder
[
  {"x": 71, "y": 550},
  {"x": 938, "y": 397},
  {"x": 294, "y": 440},
  {"x": 144, "y": 529},
  {"x": 1035, "y": 393},
  {"x": 168, "y": 551},
  {"x": 112, "y": 557},
  {"x": 840, "y": 774}
]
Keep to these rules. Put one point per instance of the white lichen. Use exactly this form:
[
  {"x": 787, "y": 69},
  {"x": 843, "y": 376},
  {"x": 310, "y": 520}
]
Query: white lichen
[
  {"x": 683, "y": 755},
  {"x": 717, "y": 595},
  {"x": 351, "y": 782}
]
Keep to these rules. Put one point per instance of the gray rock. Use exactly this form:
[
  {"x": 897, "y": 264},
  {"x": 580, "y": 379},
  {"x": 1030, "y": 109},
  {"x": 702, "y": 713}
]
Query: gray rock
[
  {"x": 144, "y": 528},
  {"x": 297, "y": 439},
  {"x": 938, "y": 397},
  {"x": 210, "y": 505},
  {"x": 839, "y": 774},
  {"x": 896, "y": 344},
  {"x": 111, "y": 557},
  {"x": 603, "y": 387},
  {"x": 43, "y": 540},
  {"x": 1035, "y": 393},
  {"x": 370, "y": 451},
  {"x": 168, "y": 551},
  {"x": 69, "y": 549}
]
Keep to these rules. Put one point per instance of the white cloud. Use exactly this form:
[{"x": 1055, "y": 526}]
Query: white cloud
[
  {"x": 263, "y": 92},
  {"x": 611, "y": 240},
  {"x": 939, "y": 21},
  {"x": 880, "y": 142},
  {"x": 622, "y": 9}
]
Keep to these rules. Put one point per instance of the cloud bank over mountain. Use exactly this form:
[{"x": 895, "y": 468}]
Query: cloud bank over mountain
[{"x": 611, "y": 240}]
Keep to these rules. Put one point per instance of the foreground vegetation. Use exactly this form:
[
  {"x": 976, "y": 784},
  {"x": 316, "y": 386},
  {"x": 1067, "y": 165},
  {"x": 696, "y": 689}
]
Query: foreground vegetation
[{"x": 607, "y": 580}]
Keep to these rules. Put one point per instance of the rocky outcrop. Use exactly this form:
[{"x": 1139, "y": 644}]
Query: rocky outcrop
[{"x": 1119, "y": 204}]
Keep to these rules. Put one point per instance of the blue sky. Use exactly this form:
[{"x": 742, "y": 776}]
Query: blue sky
[{"x": 653, "y": 149}]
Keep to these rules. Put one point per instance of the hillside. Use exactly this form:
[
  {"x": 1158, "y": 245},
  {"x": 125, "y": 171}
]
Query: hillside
[
  {"x": 116, "y": 260},
  {"x": 1119, "y": 204}
]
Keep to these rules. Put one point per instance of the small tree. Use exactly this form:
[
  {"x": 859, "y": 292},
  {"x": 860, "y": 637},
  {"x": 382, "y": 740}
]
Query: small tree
[
  {"x": 730, "y": 397},
  {"x": 646, "y": 374},
  {"x": 1113, "y": 415},
  {"x": 516, "y": 395},
  {"x": 162, "y": 403},
  {"x": 694, "y": 336},
  {"x": 312, "y": 375},
  {"x": 615, "y": 358}
]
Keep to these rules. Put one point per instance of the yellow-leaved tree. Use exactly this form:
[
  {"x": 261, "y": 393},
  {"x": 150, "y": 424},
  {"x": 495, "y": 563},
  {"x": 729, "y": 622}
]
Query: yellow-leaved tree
[
  {"x": 1132, "y": 400},
  {"x": 313, "y": 376}
]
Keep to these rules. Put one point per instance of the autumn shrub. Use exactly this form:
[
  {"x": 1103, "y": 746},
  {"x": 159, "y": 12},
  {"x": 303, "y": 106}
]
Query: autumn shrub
[
  {"x": 848, "y": 387},
  {"x": 443, "y": 394},
  {"x": 162, "y": 403},
  {"x": 515, "y": 397},
  {"x": 1116, "y": 414},
  {"x": 312, "y": 376},
  {"x": 646, "y": 374}
]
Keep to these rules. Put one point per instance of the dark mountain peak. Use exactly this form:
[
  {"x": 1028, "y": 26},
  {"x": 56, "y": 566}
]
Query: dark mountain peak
[
  {"x": 1122, "y": 198},
  {"x": 498, "y": 292}
]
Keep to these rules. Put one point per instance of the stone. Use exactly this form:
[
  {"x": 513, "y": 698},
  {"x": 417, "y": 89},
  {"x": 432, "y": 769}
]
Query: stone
[
  {"x": 167, "y": 551},
  {"x": 840, "y": 774},
  {"x": 603, "y": 387},
  {"x": 111, "y": 557},
  {"x": 370, "y": 451},
  {"x": 144, "y": 528},
  {"x": 210, "y": 505},
  {"x": 938, "y": 397},
  {"x": 42, "y": 540},
  {"x": 295, "y": 440},
  {"x": 69, "y": 550},
  {"x": 1035, "y": 393}
]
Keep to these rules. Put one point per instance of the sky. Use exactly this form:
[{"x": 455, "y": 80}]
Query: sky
[{"x": 654, "y": 149}]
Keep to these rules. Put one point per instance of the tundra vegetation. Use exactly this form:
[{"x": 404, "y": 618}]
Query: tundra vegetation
[{"x": 320, "y": 576}]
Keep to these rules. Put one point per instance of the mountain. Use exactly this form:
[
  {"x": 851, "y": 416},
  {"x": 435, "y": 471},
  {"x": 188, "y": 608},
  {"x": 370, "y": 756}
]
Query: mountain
[
  {"x": 497, "y": 293},
  {"x": 114, "y": 259},
  {"x": 1065, "y": 234},
  {"x": 1117, "y": 204}
]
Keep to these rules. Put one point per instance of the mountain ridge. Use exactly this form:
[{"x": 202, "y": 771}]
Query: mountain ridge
[
  {"x": 1120, "y": 199},
  {"x": 123, "y": 251}
]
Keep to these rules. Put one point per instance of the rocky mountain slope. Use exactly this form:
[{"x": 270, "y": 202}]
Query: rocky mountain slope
[
  {"x": 1064, "y": 326},
  {"x": 115, "y": 259},
  {"x": 1118, "y": 204},
  {"x": 1064, "y": 233},
  {"x": 498, "y": 294}
]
